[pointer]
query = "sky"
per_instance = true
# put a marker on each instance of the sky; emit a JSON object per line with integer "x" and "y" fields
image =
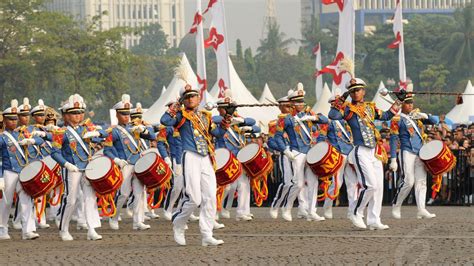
{"x": 245, "y": 20}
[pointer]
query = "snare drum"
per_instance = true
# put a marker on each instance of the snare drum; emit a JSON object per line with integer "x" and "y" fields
{"x": 55, "y": 168}
{"x": 37, "y": 179}
{"x": 437, "y": 157}
{"x": 104, "y": 175}
{"x": 228, "y": 167}
{"x": 255, "y": 160}
{"x": 152, "y": 170}
{"x": 324, "y": 160}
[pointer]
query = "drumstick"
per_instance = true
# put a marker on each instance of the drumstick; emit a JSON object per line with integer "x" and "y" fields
{"x": 85, "y": 169}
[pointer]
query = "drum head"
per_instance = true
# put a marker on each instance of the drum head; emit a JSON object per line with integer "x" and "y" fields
{"x": 248, "y": 152}
{"x": 222, "y": 157}
{"x": 50, "y": 162}
{"x": 155, "y": 150}
{"x": 145, "y": 162}
{"x": 98, "y": 167}
{"x": 98, "y": 153}
{"x": 317, "y": 152}
{"x": 431, "y": 149}
{"x": 30, "y": 171}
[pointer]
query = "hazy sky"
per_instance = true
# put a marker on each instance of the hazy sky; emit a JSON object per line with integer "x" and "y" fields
{"x": 245, "y": 20}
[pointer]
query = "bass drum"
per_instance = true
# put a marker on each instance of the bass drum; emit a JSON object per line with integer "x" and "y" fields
{"x": 37, "y": 179}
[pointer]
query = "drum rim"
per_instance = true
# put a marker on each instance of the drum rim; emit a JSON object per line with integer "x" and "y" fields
{"x": 324, "y": 155}
{"x": 43, "y": 165}
{"x": 106, "y": 173}
{"x": 141, "y": 158}
{"x": 254, "y": 156}
{"x": 422, "y": 154}
{"x": 229, "y": 157}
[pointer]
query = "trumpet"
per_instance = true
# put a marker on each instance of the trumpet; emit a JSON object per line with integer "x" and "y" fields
{"x": 385, "y": 91}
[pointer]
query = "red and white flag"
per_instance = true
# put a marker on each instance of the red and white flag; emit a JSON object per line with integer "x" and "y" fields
{"x": 200, "y": 52}
{"x": 345, "y": 42}
{"x": 399, "y": 43}
{"x": 319, "y": 79}
{"x": 217, "y": 40}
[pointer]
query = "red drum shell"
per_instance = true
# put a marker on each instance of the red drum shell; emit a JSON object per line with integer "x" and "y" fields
{"x": 56, "y": 169}
{"x": 230, "y": 171}
{"x": 104, "y": 183}
{"x": 329, "y": 164}
{"x": 255, "y": 160}
{"x": 437, "y": 157}
{"x": 157, "y": 172}
{"x": 37, "y": 179}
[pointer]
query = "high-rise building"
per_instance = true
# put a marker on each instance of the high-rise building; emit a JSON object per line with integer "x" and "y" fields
{"x": 372, "y": 12}
{"x": 131, "y": 13}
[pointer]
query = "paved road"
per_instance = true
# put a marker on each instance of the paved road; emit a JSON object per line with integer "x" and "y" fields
{"x": 448, "y": 238}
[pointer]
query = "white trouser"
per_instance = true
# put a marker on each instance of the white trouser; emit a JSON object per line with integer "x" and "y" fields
{"x": 414, "y": 173}
{"x": 369, "y": 171}
{"x": 177, "y": 189}
{"x": 229, "y": 193}
{"x": 79, "y": 212}
{"x": 297, "y": 182}
{"x": 131, "y": 184}
{"x": 73, "y": 182}
{"x": 243, "y": 195}
{"x": 345, "y": 174}
{"x": 199, "y": 190}
{"x": 286, "y": 173}
{"x": 25, "y": 202}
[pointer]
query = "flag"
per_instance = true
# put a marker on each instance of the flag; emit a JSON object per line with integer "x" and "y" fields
{"x": 319, "y": 79}
{"x": 334, "y": 70}
{"x": 200, "y": 53}
{"x": 399, "y": 43}
{"x": 340, "y": 3}
{"x": 217, "y": 40}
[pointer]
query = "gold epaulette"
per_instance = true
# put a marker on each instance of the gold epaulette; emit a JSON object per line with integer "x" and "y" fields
{"x": 282, "y": 115}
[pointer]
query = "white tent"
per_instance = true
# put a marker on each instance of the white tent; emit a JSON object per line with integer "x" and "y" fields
{"x": 464, "y": 113}
{"x": 267, "y": 96}
{"x": 382, "y": 102}
{"x": 163, "y": 91}
{"x": 322, "y": 105}
{"x": 242, "y": 95}
{"x": 154, "y": 113}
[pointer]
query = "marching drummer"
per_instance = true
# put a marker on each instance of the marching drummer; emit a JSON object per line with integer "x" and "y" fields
{"x": 234, "y": 140}
{"x": 408, "y": 130}
{"x": 124, "y": 147}
{"x": 300, "y": 125}
{"x": 196, "y": 130}
{"x": 340, "y": 137}
{"x": 368, "y": 154}
{"x": 14, "y": 160}
{"x": 283, "y": 161}
{"x": 72, "y": 150}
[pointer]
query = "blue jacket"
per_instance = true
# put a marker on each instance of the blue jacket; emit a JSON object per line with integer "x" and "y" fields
{"x": 67, "y": 148}
{"x": 169, "y": 139}
{"x": 12, "y": 160}
{"x": 404, "y": 131}
{"x": 119, "y": 145}
{"x": 362, "y": 127}
{"x": 192, "y": 138}
{"x": 298, "y": 138}
{"x": 228, "y": 140}
{"x": 338, "y": 139}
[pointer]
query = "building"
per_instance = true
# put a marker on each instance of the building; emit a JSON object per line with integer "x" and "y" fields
{"x": 373, "y": 12}
{"x": 131, "y": 13}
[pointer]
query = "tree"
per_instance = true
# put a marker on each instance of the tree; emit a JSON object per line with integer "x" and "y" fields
{"x": 433, "y": 78}
{"x": 238, "y": 49}
{"x": 153, "y": 41}
{"x": 274, "y": 43}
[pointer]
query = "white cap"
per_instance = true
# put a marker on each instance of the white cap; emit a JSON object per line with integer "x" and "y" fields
{"x": 40, "y": 108}
{"x": 297, "y": 94}
{"x": 12, "y": 111}
{"x": 25, "y": 107}
{"x": 124, "y": 105}
{"x": 355, "y": 83}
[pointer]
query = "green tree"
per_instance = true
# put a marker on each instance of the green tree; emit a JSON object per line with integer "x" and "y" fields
{"x": 153, "y": 41}
{"x": 433, "y": 79}
{"x": 238, "y": 49}
{"x": 274, "y": 43}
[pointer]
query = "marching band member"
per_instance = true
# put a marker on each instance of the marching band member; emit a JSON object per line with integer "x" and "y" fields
{"x": 13, "y": 161}
{"x": 169, "y": 137}
{"x": 340, "y": 137}
{"x": 367, "y": 155}
{"x": 233, "y": 140}
{"x": 72, "y": 150}
{"x": 299, "y": 127}
{"x": 196, "y": 130}
{"x": 124, "y": 147}
{"x": 408, "y": 130}
{"x": 284, "y": 162}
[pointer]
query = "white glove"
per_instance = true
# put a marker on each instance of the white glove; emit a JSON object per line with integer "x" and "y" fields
{"x": 178, "y": 170}
{"x": 26, "y": 141}
{"x": 289, "y": 154}
{"x": 121, "y": 163}
{"x": 246, "y": 128}
{"x": 71, "y": 167}
{"x": 419, "y": 116}
{"x": 51, "y": 127}
{"x": 140, "y": 129}
{"x": 98, "y": 127}
{"x": 168, "y": 162}
{"x": 237, "y": 120}
{"x": 91, "y": 134}
{"x": 38, "y": 133}
{"x": 393, "y": 166}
